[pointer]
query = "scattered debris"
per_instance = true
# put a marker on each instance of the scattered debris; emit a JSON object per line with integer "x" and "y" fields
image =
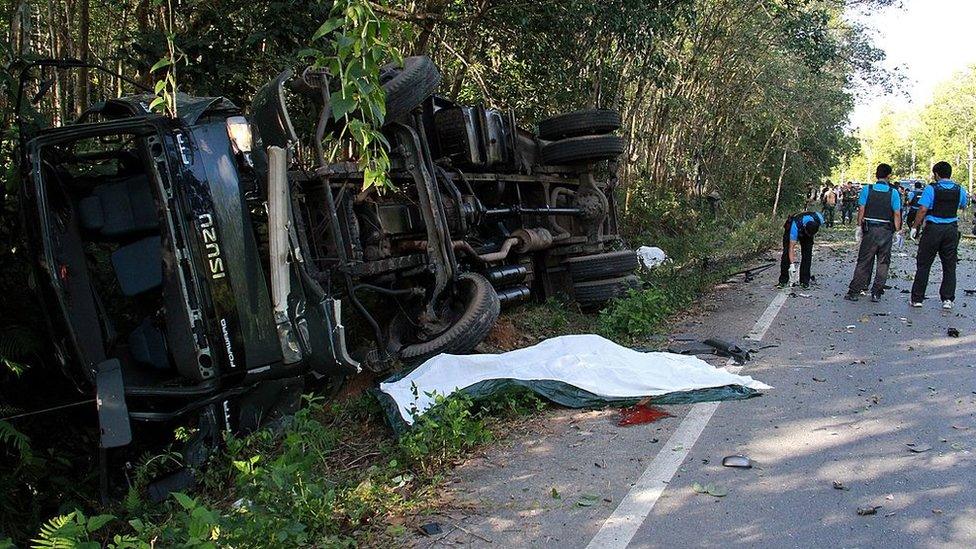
{"x": 850, "y": 327}
{"x": 712, "y": 346}
{"x": 952, "y": 332}
{"x": 554, "y": 494}
{"x": 641, "y": 414}
{"x": 918, "y": 448}
{"x": 431, "y": 529}
{"x": 651, "y": 256}
{"x": 864, "y": 511}
{"x": 819, "y": 379}
{"x": 588, "y": 500}
{"x": 840, "y": 485}
{"x": 714, "y": 490}
{"x": 737, "y": 461}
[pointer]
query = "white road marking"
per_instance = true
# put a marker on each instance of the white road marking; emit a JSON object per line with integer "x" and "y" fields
{"x": 619, "y": 529}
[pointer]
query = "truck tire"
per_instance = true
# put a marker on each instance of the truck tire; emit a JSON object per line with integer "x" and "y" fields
{"x": 597, "y": 292}
{"x": 406, "y": 88}
{"x": 481, "y": 311}
{"x": 600, "y": 266}
{"x": 578, "y": 150}
{"x": 579, "y": 123}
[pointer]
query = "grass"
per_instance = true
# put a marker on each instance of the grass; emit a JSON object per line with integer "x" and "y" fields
{"x": 334, "y": 477}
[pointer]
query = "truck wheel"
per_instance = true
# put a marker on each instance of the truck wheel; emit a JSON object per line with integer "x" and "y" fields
{"x": 576, "y": 124}
{"x": 408, "y": 87}
{"x": 599, "y": 266}
{"x": 597, "y": 292}
{"x": 577, "y": 150}
{"x": 480, "y": 311}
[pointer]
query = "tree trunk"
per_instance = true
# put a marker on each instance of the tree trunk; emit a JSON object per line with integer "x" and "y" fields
{"x": 779, "y": 184}
{"x": 81, "y": 87}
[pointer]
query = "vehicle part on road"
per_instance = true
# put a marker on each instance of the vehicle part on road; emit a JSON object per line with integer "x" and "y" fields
{"x": 712, "y": 346}
{"x": 865, "y": 511}
{"x": 601, "y": 266}
{"x": 431, "y": 529}
{"x": 407, "y": 87}
{"x": 918, "y": 448}
{"x": 597, "y": 292}
{"x": 576, "y": 371}
{"x": 840, "y": 485}
{"x": 726, "y": 349}
{"x": 737, "y": 461}
{"x": 715, "y": 490}
{"x": 750, "y": 274}
{"x": 586, "y": 149}
{"x": 952, "y": 332}
{"x": 580, "y": 123}
{"x": 640, "y": 414}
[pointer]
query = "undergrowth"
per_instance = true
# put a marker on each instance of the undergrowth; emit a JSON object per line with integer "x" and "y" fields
{"x": 333, "y": 477}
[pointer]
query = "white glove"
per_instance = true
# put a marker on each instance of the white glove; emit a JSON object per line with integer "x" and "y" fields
{"x": 794, "y": 274}
{"x": 899, "y": 240}
{"x": 914, "y": 234}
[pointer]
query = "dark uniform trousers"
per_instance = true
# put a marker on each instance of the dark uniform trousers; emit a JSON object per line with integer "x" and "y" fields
{"x": 940, "y": 239}
{"x": 875, "y": 248}
{"x": 806, "y": 255}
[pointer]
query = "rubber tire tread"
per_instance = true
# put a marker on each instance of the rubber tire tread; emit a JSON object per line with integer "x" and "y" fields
{"x": 579, "y": 123}
{"x": 599, "y": 266}
{"x": 471, "y": 329}
{"x": 598, "y": 292}
{"x": 589, "y": 148}
{"x": 409, "y": 88}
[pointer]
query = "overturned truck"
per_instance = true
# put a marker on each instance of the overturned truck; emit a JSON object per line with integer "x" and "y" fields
{"x": 208, "y": 266}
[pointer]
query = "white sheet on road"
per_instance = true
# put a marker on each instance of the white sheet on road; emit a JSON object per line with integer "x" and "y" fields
{"x": 588, "y": 362}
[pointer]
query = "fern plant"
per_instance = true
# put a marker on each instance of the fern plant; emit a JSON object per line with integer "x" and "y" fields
{"x": 74, "y": 530}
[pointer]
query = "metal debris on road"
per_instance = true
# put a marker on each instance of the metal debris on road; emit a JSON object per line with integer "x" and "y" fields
{"x": 952, "y": 332}
{"x": 864, "y": 511}
{"x": 840, "y": 485}
{"x": 714, "y": 490}
{"x": 431, "y": 529}
{"x": 918, "y": 448}
{"x": 737, "y": 461}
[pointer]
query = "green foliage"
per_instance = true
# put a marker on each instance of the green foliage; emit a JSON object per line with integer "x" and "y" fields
{"x": 75, "y": 530}
{"x": 356, "y": 46}
{"x": 942, "y": 129}
{"x": 441, "y": 434}
{"x": 637, "y": 314}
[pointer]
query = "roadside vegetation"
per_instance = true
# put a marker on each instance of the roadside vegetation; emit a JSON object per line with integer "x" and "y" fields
{"x": 913, "y": 140}
{"x": 742, "y": 102}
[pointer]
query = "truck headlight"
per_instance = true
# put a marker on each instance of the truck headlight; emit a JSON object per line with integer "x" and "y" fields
{"x": 239, "y": 132}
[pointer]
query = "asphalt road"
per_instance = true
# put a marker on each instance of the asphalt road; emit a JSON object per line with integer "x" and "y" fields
{"x": 873, "y": 406}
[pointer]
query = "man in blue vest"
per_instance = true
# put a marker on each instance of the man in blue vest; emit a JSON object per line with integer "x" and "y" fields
{"x": 938, "y": 208}
{"x": 878, "y": 219}
{"x": 799, "y": 229}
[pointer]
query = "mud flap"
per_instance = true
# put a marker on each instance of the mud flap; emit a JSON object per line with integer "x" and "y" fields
{"x": 113, "y": 414}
